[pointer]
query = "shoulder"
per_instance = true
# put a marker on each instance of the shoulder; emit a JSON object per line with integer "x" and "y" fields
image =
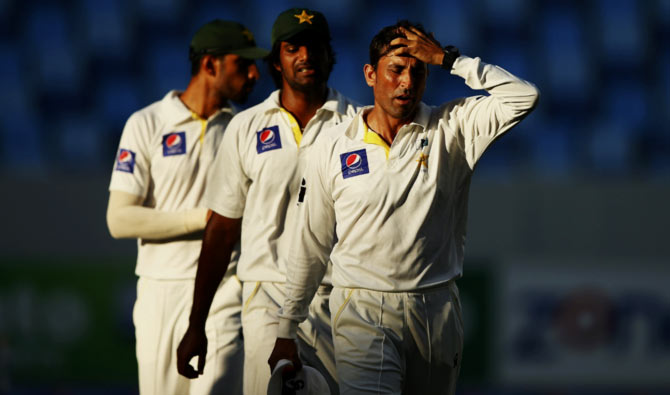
{"x": 345, "y": 105}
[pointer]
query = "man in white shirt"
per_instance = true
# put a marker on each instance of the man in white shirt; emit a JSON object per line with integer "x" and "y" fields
{"x": 386, "y": 202}
{"x": 254, "y": 195}
{"x": 156, "y": 192}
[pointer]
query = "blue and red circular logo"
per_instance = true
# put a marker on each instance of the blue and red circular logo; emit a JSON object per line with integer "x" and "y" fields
{"x": 267, "y": 136}
{"x": 173, "y": 140}
{"x": 125, "y": 156}
{"x": 354, "y": 161}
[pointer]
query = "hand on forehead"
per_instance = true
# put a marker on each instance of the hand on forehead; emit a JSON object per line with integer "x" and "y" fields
{"x": 417, "y": 45}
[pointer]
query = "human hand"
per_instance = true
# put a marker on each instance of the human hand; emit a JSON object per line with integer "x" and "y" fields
{"x": 194, "y": 343}
{"x": 285, "y": 349}
{"x": 417, "y": 44}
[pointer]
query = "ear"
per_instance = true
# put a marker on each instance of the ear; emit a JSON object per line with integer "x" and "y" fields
{"x": 370, "y": 75}
{"x": 207, "y": 65}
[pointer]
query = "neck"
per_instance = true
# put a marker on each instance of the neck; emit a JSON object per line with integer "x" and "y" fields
{"x": 302, "y": 104}
{"x": 385, "y": 125}
{"x": 201, "y": 99}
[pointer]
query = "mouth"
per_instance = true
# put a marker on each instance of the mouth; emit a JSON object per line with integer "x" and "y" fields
{"x": 404, "y": 99}
{"x": 306, "y": 69}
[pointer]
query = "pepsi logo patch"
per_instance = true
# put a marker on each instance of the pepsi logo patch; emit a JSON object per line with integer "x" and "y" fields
{"x": 174, "y": 143}
{"x": 125, "y": 161}
{"x": 268, "y": 139}
{"x": 354, "y": 163}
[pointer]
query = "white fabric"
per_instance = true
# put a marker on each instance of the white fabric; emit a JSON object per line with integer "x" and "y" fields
{"x": 259, "y": 323}
{"x": 308, "y": 381}
{"x": 262, "y": 185}
{"x": 127, "y": 218}
{"x": 397, "y": 342}
{"x": 161, "y": 319}
{"x": 398, "y": 224}
{"x": 168, "y": 183}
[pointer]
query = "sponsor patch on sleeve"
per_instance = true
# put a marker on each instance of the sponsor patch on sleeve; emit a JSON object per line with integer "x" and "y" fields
{"x": 174, "y": 143}
{"x": 354, "y": 163}
{"x": 125, "y": 160}
{"x": 268, "y": 139}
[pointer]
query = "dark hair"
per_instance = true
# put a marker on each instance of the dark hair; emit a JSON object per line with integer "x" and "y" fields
{"x": 380, "y": 44}
{"x": 196, "y": 58}
{"x": 273, "y": 58}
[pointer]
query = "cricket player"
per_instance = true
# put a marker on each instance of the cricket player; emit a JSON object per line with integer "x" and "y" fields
{"x": 156, "y": 192}
{"x": 386, "y": 201}
{"x": 254, "y": 194}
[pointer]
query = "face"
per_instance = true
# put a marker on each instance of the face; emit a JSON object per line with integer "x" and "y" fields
{"x": 398, "y": 84}
{"x": 303, "y": 64}
{"x": 235, "y": 77}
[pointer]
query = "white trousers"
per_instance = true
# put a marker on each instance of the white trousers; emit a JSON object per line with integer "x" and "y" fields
{"x": 397, "y": 342}
{"x": 161, "y": 319}
{"x": 262, "y": 301}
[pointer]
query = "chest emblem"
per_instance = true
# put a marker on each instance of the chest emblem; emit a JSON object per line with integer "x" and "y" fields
{"x": 268, "y": 139}
{"x": 174, "y": 144}
{"x": 354, "y": 163}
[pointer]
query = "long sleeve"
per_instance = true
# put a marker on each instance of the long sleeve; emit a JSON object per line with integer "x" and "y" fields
{"x": 127, "y": 218}
{"x": 312, "y": 243}
{"x": 478, "y": 120}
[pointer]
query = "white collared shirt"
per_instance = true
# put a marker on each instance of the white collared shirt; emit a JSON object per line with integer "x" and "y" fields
{"x": 165, "y": 154}
{"x": 257, "y": 177}
{"x": 394, "y": 218}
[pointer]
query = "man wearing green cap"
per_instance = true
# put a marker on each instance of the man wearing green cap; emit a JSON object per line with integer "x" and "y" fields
{"x": 255, "y": 192}
{"x": 158, "y": 183}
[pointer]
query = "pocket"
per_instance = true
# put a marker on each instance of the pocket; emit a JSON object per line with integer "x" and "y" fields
{"x": 342, "y": 307}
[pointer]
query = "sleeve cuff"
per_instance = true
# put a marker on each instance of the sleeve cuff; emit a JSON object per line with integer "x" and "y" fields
{"x": 288, "y": 329}
{"x": 195, "y": 219}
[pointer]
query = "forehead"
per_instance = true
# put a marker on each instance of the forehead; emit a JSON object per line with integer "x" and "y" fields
{"x": 400, "y": 60}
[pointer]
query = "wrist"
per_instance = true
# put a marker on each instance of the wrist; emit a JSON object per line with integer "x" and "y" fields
{"x": 451, "y": 53}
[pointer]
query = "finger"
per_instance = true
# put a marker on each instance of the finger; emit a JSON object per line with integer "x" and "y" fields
{"x": 201, "y": 361}
{"x": 186, "y": 370}
{"x": 399, "y": 51}
{"x": 399, "y": 41}
{"x": 408, "y": 33}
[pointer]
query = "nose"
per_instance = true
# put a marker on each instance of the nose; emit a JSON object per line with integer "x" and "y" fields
{"x": 304, "y": 53}
{"x": 253, "y": 72}
{"x": 407, "y": 79}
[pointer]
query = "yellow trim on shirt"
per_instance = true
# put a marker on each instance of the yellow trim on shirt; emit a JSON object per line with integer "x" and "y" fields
{"x": 253, "y": 293}
{"x": 373, "y": 138}
{"x": 203, "y": 126}
{"x": 297, "y": 133}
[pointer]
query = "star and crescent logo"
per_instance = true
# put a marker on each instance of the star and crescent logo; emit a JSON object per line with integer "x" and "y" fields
{"x": 248, "y": 35}
{"x": 304, "y": 17}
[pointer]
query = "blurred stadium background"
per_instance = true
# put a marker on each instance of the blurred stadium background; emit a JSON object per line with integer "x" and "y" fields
{"x": 565, "y": 286}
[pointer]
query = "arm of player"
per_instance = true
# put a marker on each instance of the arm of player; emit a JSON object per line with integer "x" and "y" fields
{"x": 127, "y": 218}
{"x": 481, "y": 119}
{"x": 308, "y": 259}
{"x": 221, "y": 236}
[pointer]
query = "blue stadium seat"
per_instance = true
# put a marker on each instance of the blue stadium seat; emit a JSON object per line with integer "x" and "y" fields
{"x": 166, "y": 67}
{"x": 117, "y": 98}
{"x": 80, "y": 142}
{"x": 163, "y": 11}
{"x": 107, "y": 28}
{"x": 505, "y": 14}
{"x": 552, "y": 143}
{"x": 565, "y": 57}
{"x": 626, "y": 103}
{"x": 450, "y": 21}
{"x": 48, "y": 39}
{"x": 621, "y": 32}
{"x": 611, "y": 147}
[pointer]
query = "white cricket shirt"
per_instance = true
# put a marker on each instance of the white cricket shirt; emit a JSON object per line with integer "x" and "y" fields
{"x": 257, "y": 177}
{"x": 165, "y": 155}
{"x": 394, "y": 218}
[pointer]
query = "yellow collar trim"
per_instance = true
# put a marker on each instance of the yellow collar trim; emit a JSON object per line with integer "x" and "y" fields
{"x": 297, "y": 133}
{"x": 373, "y": 138}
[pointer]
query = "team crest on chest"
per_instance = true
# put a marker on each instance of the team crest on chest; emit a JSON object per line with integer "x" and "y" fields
{"x": 125, "y": 161}
{"x": 354, "y": 163}
{"x": 174, "y": 143}
{"x": 268, "y": 139}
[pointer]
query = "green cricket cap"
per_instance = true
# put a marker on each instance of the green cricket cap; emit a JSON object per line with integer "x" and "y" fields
{"x": 298, "y": 20}
{"x": 220, "y": 37}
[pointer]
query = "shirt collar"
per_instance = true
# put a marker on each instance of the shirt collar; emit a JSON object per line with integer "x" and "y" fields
{"x": 177, "y": 112}
{"x": 334, "y": 102}
{"x": 357, "y": 128}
